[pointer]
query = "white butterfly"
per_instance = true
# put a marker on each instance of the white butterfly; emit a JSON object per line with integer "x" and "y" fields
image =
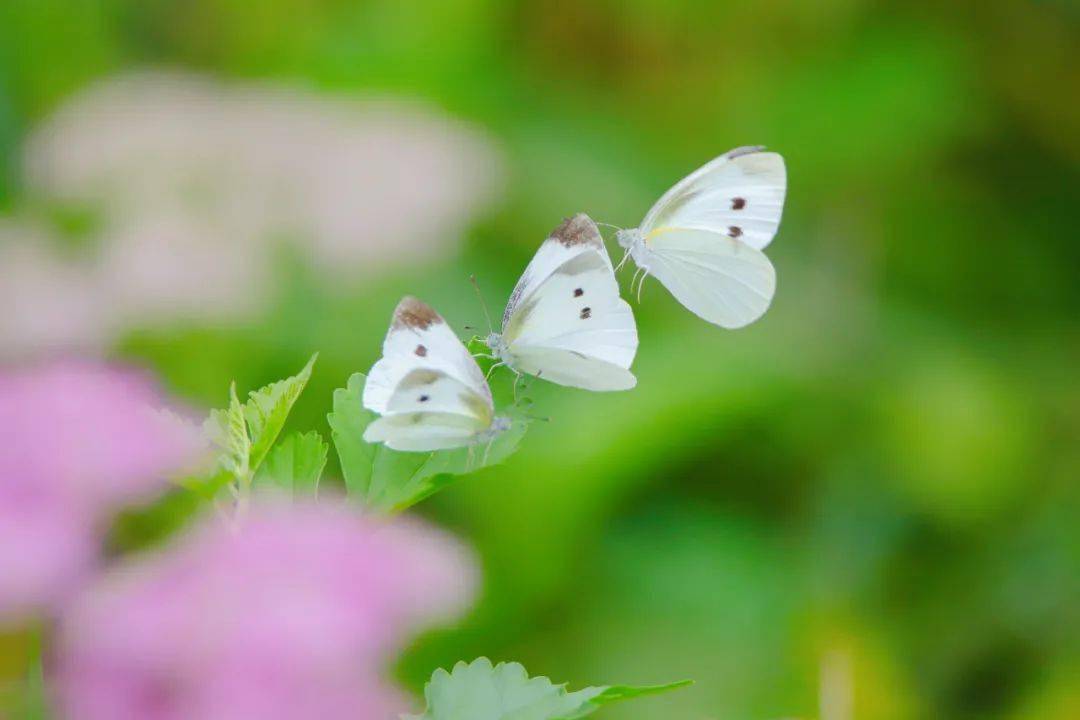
{"x": 703, "y": 239}
{"x": 427, "y": 388}
{"x": 565, "y": 321}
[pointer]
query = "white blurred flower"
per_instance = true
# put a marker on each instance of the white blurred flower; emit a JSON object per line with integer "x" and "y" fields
{"x": 51, "y": 303}
{"x": 197, "y": 183}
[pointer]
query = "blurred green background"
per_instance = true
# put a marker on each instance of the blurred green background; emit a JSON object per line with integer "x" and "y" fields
{"x": 863, "y": 506}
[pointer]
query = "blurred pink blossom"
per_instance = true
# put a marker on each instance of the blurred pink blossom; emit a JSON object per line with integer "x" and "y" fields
{"x": 197, "y": 184}
{"x": 80, "y": 441}
{"x": 293, "y": 616}
{"x": 50, "y": 302}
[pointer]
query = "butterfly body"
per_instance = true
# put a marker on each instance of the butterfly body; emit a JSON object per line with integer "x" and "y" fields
{"x": 631, "y": 240}
{"x": 499, "y": 348}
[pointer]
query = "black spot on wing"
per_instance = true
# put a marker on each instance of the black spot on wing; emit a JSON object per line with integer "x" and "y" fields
{"x": 734, "y": 231}
{"x": 738, "y": 203}
{"x": 586, "y": 313}
{"x": 421, "y": 351}
{"x": 578, "y": 292}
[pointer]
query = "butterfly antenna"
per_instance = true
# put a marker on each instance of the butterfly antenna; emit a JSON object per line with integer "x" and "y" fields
{"x": 483, "y": 305}
{"x": 616, "y": 228}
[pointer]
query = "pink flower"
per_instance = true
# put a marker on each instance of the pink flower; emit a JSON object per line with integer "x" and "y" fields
{"x": 80, "y": 440}
{"x": 198, "y": 183}
{"x": 292, "y": 616}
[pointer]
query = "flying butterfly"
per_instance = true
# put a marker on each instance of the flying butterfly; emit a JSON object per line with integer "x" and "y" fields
{"x": 427, "y": 388}
{"x": 565, "y": 321}
{"x": 703, "y": 238}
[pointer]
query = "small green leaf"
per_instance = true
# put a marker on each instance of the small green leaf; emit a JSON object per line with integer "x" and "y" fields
{"x": 616, "y": 693}
{"x": 138, "y": 528}
{"x": 480, "y": 691}
{"x": 206, "y": 487}
{"x": 267, "y": 409}
{"x": 480, "y": 350}
{"x": 23, "y": 693}
{"x": 347, "y": 423}
{"x": 390, "y": 481}
{"x": 295, "y": 464}
{"x": 439, "y": 469}
{"x": 226, "y": 429}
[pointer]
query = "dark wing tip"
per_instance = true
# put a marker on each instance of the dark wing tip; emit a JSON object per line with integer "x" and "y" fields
{"x": 577, "y": 230}
{"x": 416, "y": 314}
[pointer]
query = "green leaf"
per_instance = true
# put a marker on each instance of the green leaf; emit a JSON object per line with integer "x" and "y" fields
{"x": 267, "y": 409}
{"x": 227, "y": 430}
{"x": 480, "y": 350}
{"x": 295, "y": 464}
{"x": 22, "y": 688}
{"x": 480, "y": 691}
{"x": 206, "y": 487}
{"x": 347, "y": 421}
{"x": 390, "y": 481}
{"x": 442, "y": 468}
{"x": 138, "y": 528}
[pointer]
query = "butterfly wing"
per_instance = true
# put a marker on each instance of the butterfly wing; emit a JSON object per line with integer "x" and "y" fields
{"x": 430, "y": 410}
{"x": 718, "y": 278}
{"x": 419, "y": 339}
{"x": 565, "y": 321}
{"x": 739, "y": 194}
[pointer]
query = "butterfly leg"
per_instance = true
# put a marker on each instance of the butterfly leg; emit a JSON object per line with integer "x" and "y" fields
{"x": 492, "y": 369}
{"x": 537, "y": 376}
{"x": 633, "y": 280}
{"x": 641, "y": 284}
{"x": 625, "y": 257}
{"x": 517, "y": 378}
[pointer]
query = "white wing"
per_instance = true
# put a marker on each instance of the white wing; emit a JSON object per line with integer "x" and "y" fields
{"x": 430, "y": 410}
{"x": 739, "y": 194}
{"x": 716, "y": 277}
{"x": 420, "y": 339}
{"x": 565, "y": 320}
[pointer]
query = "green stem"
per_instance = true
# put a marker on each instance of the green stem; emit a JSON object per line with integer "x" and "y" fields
{"x": 243, "y": 498}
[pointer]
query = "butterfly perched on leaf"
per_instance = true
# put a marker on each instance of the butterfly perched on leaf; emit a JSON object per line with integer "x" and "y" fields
{"x": 427, "y": 389}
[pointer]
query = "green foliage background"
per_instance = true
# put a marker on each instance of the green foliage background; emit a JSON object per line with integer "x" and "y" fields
{"x": 877, "y": 482}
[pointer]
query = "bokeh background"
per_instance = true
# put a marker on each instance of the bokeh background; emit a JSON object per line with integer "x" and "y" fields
{"x": 863, "y": 506}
